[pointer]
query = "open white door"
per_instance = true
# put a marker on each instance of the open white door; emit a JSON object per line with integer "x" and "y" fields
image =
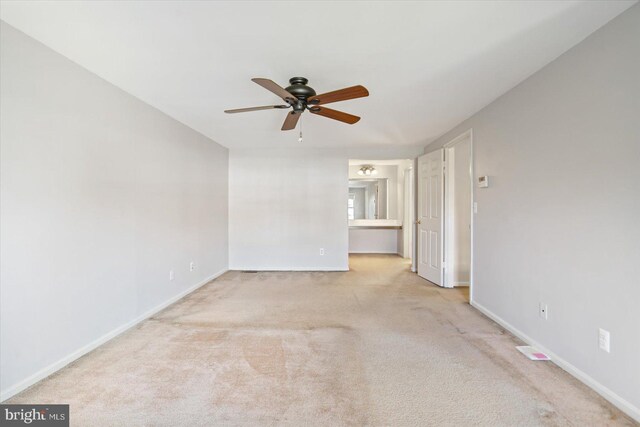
{"x": 430, "y": 216}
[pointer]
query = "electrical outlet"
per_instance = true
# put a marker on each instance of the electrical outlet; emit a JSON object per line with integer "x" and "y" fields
{"x": 192, "y": 266}
{"x": 604, "y": 340}
{"x": 475, "y": 207}
{"x": 543, "y": 311}
{"x": 171, "y": 275}
{"x": 321, "y": 251}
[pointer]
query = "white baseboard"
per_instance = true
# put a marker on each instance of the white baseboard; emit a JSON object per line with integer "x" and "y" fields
{"x": 309, "y": 269}
{"x": 460, "y": 284}
{"x": 619, "y": 402}
{"x": 54, "y": 367}
{"x": 375, "y": 252}
{"x": 336, "y": 267}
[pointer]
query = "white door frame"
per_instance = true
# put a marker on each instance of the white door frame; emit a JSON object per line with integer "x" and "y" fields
{"x": 408, "y": 212}
{"x": 448, "y": 201}
{"x": 414, "y": 225}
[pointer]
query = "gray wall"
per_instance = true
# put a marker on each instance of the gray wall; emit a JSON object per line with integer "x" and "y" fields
{"x": 374, "y": 241}
{"x": 101, "y": 196}
{"x": 560, "y": 222}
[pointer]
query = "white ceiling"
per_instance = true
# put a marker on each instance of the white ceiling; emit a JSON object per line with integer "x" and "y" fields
{"x": 427, "y": 65}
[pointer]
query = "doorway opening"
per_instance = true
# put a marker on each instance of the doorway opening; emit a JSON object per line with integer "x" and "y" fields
{"x": 458, "y": 211}
{"x": 380, "y": 207}
{"x": 445, "y": 214}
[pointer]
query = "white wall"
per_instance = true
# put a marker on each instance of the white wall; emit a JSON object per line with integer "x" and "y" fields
{"x": 560, "y": 222}
{"x": 101, "y": 196}
{"x": 286, "y": 204}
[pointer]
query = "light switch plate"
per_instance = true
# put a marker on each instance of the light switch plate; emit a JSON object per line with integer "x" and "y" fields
{"x": 604, "y": 340}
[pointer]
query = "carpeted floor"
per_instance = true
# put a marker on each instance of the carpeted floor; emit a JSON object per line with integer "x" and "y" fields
{"x": 373, "y": 346}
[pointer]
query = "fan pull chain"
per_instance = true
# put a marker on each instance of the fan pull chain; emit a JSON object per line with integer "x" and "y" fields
{"x": 300, "y": 137}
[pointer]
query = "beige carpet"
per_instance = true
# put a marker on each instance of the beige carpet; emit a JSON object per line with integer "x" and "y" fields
{"x": 374, "y": 346}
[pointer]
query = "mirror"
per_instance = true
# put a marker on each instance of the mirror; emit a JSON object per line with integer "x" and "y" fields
{"x": 368, "y": 198}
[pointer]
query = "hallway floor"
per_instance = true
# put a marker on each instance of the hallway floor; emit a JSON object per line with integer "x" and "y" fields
{"x": 373, "y": 346}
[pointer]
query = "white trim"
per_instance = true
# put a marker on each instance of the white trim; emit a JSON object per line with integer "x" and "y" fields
{"x": 414, "y": 226}
{"x": 284, "y": 269}
{"x": 460, "y": 284}
{"x": 376, "y": 252}
{"x": 457, "y": 139}
{"x": 448, "y": 276}
{"x": 407, "y": 213}
{"x": 622, "y": 404}
{"x": 56, "y": 366}
{"x": 449, "y": 213}
{"x": 473, "y": 214}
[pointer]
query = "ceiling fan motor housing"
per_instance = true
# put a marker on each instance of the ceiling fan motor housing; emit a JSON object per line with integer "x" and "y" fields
{"x": 299, "y": 88}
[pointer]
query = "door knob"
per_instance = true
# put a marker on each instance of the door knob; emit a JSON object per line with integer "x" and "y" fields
{"x": 418, "y": 221}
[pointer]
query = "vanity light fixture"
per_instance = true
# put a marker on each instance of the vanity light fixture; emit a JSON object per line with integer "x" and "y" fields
{"x": 367, "y": 170}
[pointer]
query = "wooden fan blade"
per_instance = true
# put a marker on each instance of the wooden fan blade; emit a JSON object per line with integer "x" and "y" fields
{"x": 339, "y": 95}
{"x": 244, "y": 110}
{"x": 275, "y": 88}
{"x": 291, "y": 121}
{"x": 335, "y": 115}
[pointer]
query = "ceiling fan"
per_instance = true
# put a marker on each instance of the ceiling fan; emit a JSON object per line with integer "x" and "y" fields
{"x": 301, "y": 97}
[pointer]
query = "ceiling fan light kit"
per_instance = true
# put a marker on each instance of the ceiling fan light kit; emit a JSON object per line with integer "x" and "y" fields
{"x": 300, "y": 98}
